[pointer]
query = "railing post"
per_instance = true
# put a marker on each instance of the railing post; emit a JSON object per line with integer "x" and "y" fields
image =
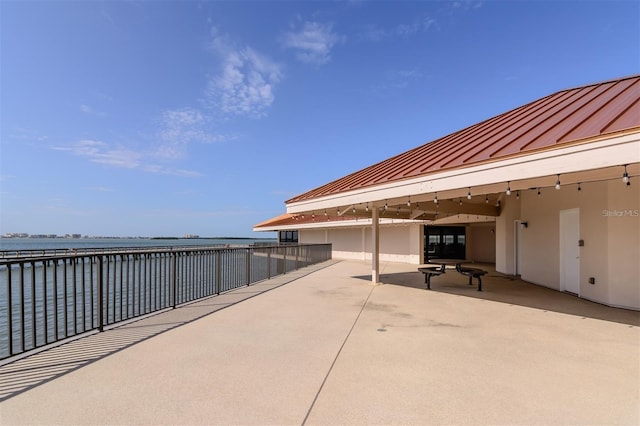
{"x": 268, "y": 263}
{"x": 248, "y": 265}
{"x": 217, "y": 283}
{"x": 284, "y": 260}
{"x": 9, "y": 310}
{"x": 174, "y": 275}
{"x": 100, "y": 294}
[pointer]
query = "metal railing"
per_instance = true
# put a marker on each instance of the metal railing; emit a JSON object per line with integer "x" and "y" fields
{"x": 50, "y": 298}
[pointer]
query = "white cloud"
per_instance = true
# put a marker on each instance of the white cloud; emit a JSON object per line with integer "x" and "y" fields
{"x": 179, "y": 128}
{"x": 313, "y": 42}
{"x": 100, "y": 152}
{"x": 245, "y": 86}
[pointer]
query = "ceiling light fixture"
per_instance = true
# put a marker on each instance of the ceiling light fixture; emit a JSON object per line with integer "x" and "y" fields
{"x": 558, "y": 182}
{"x": 625, "y": 175}
{"x": 508, "y": 188}
{"x": 469, "y": 194}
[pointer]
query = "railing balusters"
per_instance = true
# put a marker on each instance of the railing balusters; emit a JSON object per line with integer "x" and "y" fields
{"x": 119, "y": 285}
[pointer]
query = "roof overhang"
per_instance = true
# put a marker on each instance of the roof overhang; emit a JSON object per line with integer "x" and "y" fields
{"x": 594, "y": 159}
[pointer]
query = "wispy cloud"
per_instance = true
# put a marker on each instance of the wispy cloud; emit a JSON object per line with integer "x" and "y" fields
{"x": 120, "y": 157}
{"x": 396, "y": 80}
{"x": 404, "y": 30}
{"x": 313, "y": 42}
{"x": 86, "y": 109}
{"x": 466, "y": 4}
{"x": 245, "y": 86}
{"x": 100, "y": 189}
{"x": 102, "y": 153}
{"x": 181, "y": 127}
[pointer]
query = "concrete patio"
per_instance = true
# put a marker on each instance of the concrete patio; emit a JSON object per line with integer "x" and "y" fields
{"x": 323, "y": 346}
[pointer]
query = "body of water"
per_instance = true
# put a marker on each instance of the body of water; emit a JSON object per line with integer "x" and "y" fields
{"x": 14, "y": 244}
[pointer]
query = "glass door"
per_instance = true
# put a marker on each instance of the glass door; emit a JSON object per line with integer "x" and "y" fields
{"x": 445, "y": 242}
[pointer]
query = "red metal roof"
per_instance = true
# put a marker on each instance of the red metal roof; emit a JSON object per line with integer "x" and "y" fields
{"x": 553, "y": 121}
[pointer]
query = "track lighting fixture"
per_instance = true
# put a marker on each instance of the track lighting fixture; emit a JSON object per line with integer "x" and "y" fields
{"x": 558, "y": 182}
{"x": 435, "y": 199}
{"x": 625, "y": 175}
{"x": 469, "y": 194}
{"x": 508, "y": 188}
{"x": 409, "y": 202}
{"x": 486, "y": 199}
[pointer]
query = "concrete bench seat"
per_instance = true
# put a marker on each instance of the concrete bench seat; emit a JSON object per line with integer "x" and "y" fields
{"x": 429, "y": 272}
{"x": 473, "y": 273}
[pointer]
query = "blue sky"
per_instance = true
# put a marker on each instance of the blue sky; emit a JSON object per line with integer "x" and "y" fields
{"x": 140, "y": 118}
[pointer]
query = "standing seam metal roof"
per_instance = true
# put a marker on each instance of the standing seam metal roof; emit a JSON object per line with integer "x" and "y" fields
{"x": 552, "y": 121}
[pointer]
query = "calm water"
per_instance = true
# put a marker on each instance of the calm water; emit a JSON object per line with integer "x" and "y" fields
{"x": 132, "y": 286}
{"x": 77, "y": 243}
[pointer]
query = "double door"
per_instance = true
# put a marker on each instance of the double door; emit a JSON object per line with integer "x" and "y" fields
{"x": 444, "y": 242}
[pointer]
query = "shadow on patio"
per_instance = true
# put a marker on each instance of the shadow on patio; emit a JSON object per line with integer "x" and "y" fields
{"x": 511, "y": 290}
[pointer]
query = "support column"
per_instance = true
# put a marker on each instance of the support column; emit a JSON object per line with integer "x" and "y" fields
{"x": 375, "y": 249}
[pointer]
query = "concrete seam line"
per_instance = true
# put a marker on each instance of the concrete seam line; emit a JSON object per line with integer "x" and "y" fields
{"x": 335, "y": 359}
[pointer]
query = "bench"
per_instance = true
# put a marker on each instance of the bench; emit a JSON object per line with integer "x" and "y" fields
{"x": 473, "y": 273}
{"x": 430, "y": 272}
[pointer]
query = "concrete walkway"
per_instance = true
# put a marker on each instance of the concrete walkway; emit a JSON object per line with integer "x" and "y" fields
{"x": 330, "y": 348}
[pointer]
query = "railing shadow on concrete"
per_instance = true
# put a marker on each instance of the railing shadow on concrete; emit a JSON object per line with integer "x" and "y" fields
{"x": 511, "y": 290}
{"x": 21, "y": 374}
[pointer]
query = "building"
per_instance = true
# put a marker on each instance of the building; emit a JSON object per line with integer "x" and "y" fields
{"x": 548, "y": 191}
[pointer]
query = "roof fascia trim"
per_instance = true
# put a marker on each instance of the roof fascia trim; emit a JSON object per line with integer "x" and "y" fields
{"x": 612, "y": 151}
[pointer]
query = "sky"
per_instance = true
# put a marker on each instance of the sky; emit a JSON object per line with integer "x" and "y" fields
{"x": 166, "y": 118}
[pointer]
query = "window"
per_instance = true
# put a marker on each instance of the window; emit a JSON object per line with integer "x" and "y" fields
{"x": 288, "y": 236}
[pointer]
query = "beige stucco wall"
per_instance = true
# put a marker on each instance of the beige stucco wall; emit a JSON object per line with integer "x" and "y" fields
{"x": 611, "y": 243}
{"x": 623, "y": 244}
{"x": 481, "y": 242}
{"x": 399, "y": 243}
{"x": 505, "y": 238}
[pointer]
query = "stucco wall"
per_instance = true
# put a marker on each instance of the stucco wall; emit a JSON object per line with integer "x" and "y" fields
{"x": 481, "y": 242}
{"x": 611, "y": 243}
{"x": 397, "y": 243}
{"x": 623, "y": 244}
{"x": 505, "y": 238}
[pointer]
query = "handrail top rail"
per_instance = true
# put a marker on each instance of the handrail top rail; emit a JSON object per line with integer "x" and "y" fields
{"x": 26, "y": 256}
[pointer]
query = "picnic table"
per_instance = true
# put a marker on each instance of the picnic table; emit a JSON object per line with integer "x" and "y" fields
{"x": 431, "y": 271}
